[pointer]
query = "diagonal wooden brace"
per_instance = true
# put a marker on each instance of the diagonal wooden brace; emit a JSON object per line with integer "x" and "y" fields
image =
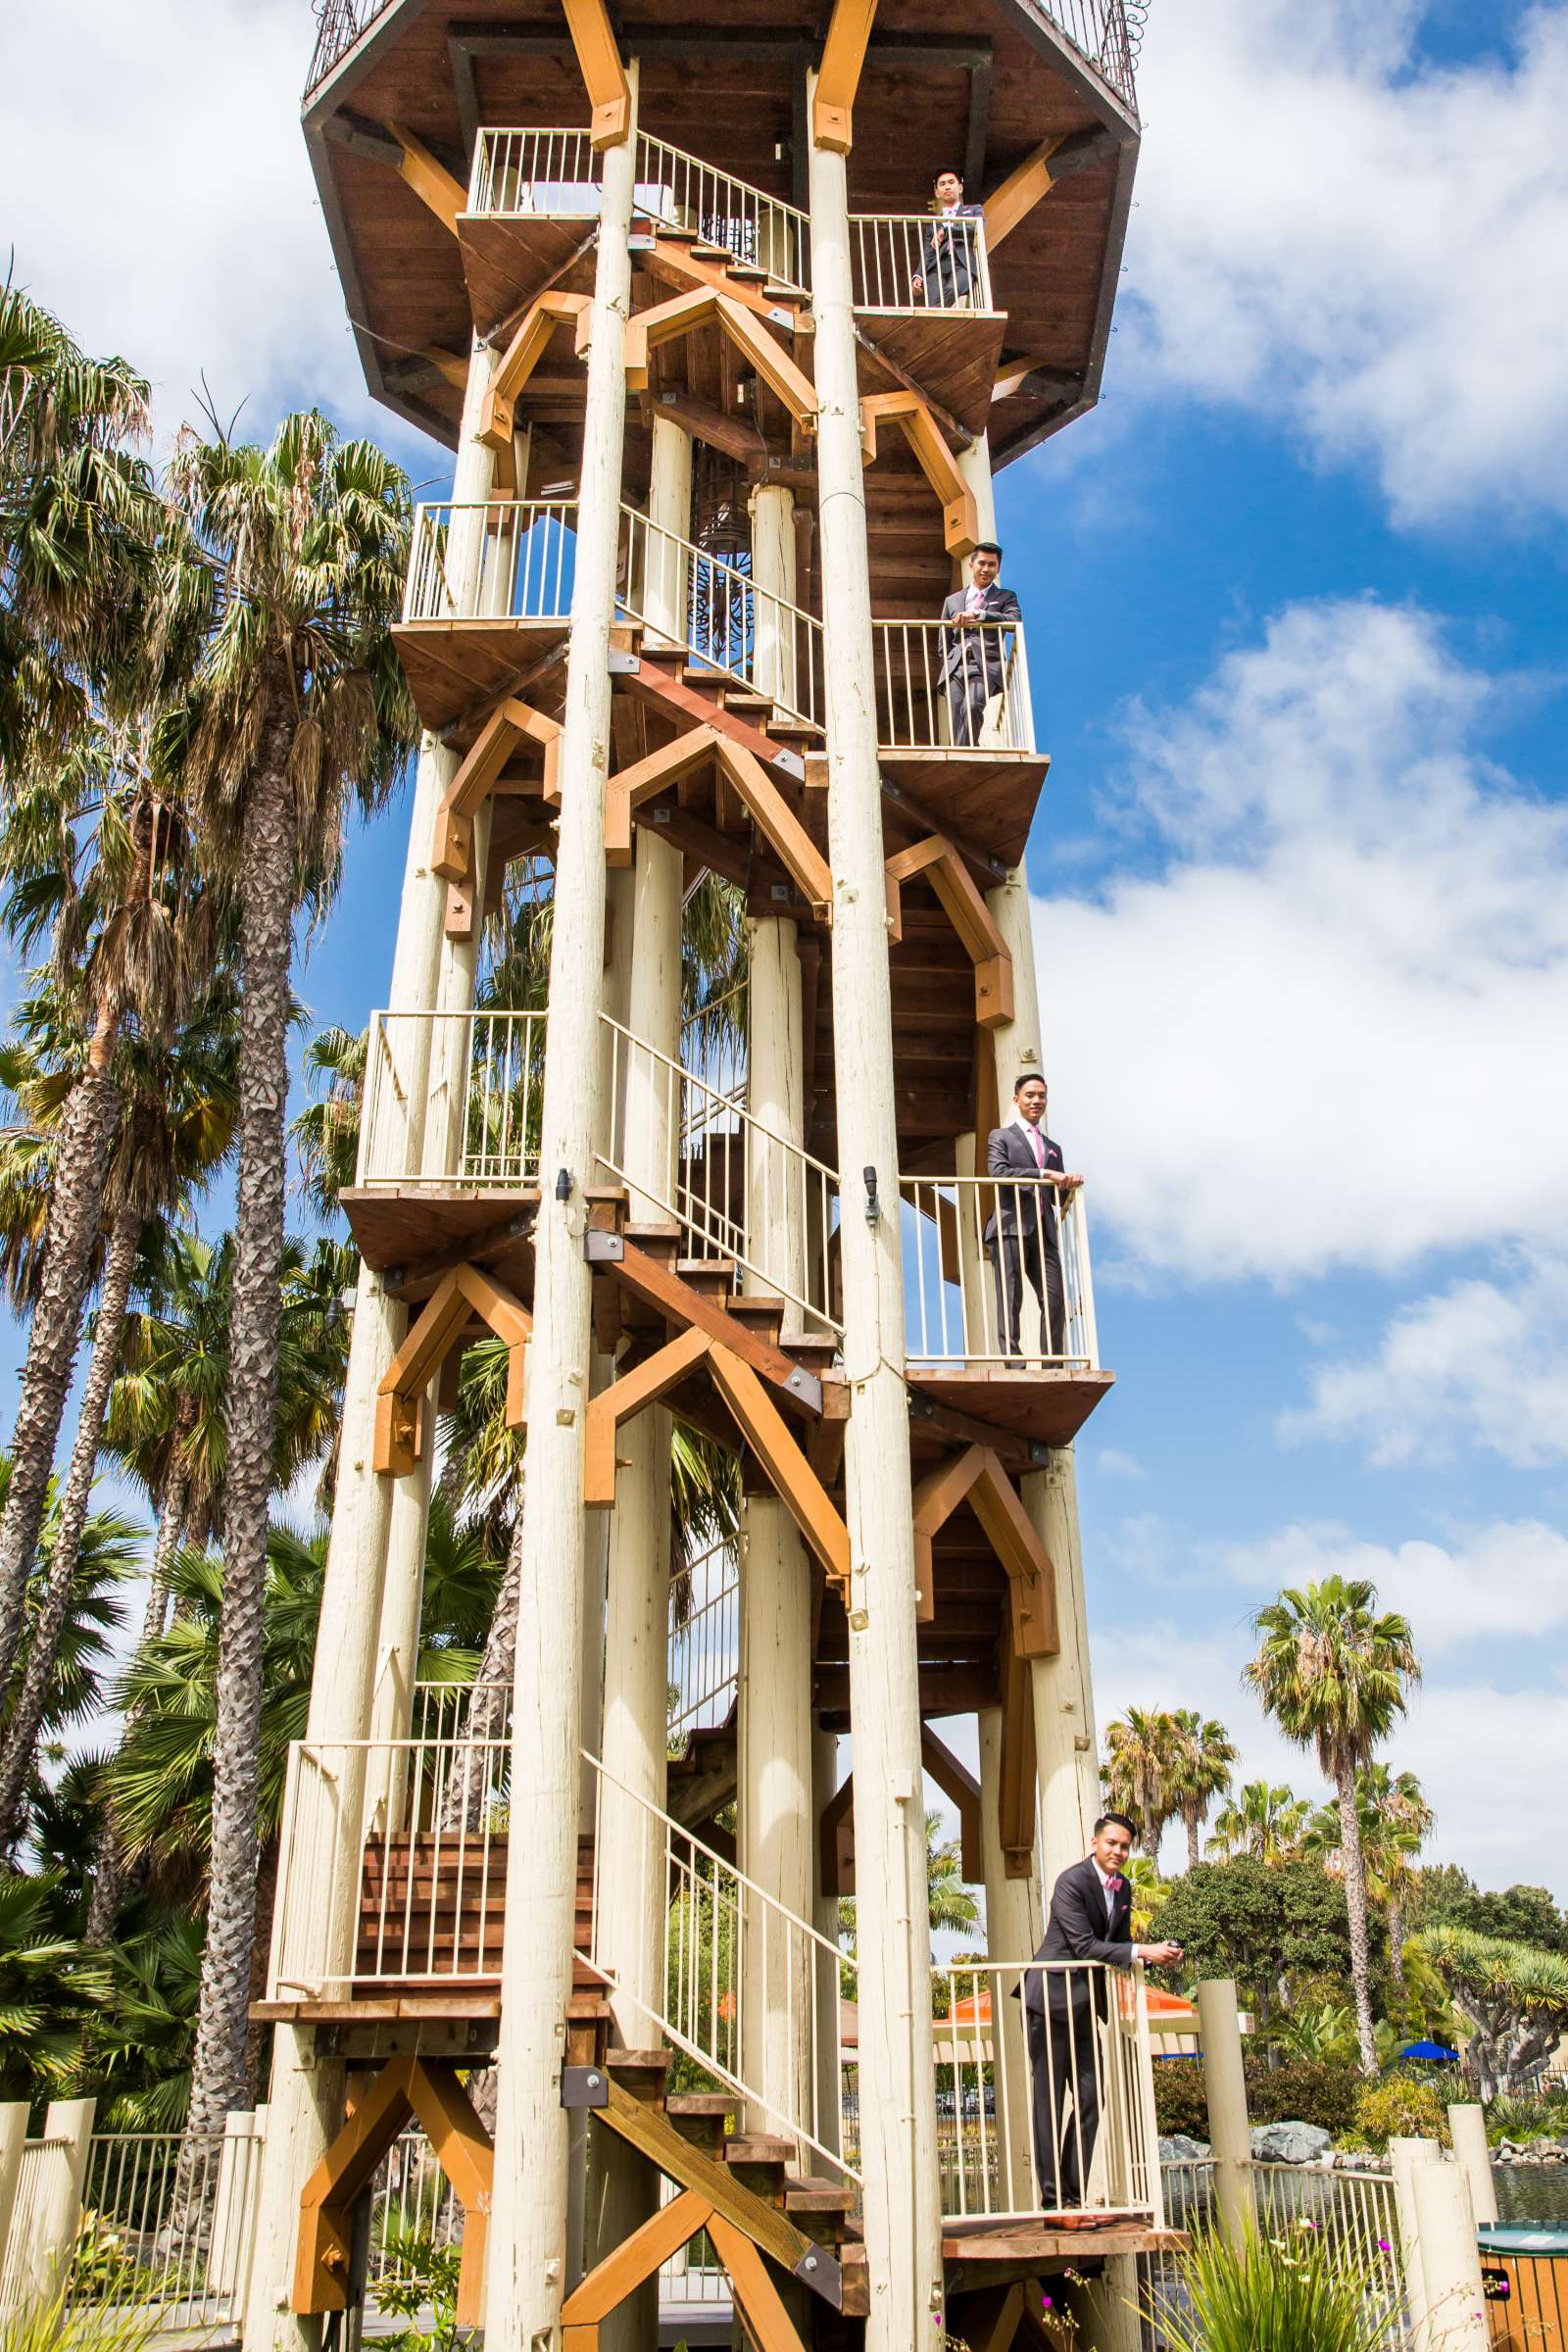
{"x": 961, "y": 517}
{"x": 938, "y": 860}
{"x": 400, "y": 1432}
{"x": 684, "y": 314}
{"x": 508, "y": 724}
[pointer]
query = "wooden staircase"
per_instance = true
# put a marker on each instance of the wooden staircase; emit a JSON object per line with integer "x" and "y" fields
{"x": 801, "y": 2221}
{"x": 432, "y": 1910}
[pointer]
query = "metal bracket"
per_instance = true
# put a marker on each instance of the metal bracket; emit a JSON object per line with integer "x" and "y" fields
{"x": 807, "y": 1387}
{"x": 602, "y": 1249}
{"x": 790, "y": 763}
{"x": 584, "y": 2087}
{"x": 624, "y": 664}
{"x": 818, "y": 2270}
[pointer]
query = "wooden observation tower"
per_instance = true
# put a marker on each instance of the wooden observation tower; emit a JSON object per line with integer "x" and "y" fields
{"x": 725, "y": 410}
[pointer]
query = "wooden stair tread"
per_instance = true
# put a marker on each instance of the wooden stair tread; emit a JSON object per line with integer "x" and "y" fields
{"x": 637, "y": 2062}
{"x": 805, "y": 2192}
{"x": 748, "y": 2148}
{"x": 701, "y": 2102}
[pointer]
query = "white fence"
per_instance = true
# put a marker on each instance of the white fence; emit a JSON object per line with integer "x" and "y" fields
{"x": 918, "y": 260}
{"x": 506, "y": 558}
{"x": 946, "y": 686}
{"x": 703, "y": 1659}
{"x": 992, "y": 1277}
{"x": 165, "y": 2240}
{"x": 1061, "y": 2111}
{"x": 455, "y": 1096}
{"x": 744, "y": 634}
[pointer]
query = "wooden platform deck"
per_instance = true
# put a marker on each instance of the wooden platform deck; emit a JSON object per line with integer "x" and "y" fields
{"x": 1047, "y": 1408}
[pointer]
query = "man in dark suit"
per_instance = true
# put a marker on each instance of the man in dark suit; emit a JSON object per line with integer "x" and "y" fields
{"x": 947, "y": 275}
{"x": 1067, "y": 2008}
{"x": 974, "y": 651}
{"x": 1020, "y": 1235}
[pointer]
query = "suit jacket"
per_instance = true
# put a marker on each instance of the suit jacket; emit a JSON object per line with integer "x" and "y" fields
{"x": 981, "y": 652}
{"x": 947, "y": 259}
{"x": 1008, "y": 1153}
{"x": 1078, "y": 1929}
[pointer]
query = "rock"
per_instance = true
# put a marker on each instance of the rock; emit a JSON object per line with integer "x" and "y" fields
{"x": 1289, "y": 2143}
{"x": 1179, "y": 2149}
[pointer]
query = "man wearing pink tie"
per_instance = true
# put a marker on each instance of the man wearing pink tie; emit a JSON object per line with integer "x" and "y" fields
{"x": 1020, "y": 1236}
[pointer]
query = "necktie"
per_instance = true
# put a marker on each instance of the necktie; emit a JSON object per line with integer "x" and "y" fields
{"x": 1038, "y": 1148}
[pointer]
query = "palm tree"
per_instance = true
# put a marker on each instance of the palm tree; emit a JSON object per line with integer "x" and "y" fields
{"x": 174, "y": 1135}
{"x": 326, "y": 1132}
{"x": 96, "y": 865}
{"x": 1268, "y": 1823}
{"x": 1140, "y": 1758}
{"x": 1395, "y": 1819}
{"x": 1334, "y": 1675}
{"x": 300, "y": 710}
{"x": 1201, "y": 1756}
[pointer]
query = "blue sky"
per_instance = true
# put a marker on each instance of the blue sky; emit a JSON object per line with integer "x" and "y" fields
{"x": 1296, "y": 600}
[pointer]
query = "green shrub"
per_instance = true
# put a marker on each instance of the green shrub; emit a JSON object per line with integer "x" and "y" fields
{"x": 1400, "y": 2107}
{"x": 1302, "y": 2090}
{"x": 1294, "y": 2293}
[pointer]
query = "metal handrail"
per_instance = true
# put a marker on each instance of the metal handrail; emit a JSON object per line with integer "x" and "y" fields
{"x": 919, "y": 260}
{"x": 727, "y": 622}
{"x": 492, "y": 559}
{"x": 942, "y": 686}
{"x": 978, "y": 1284}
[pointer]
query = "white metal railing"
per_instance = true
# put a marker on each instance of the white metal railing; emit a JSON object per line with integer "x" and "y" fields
{"x": 703, "y": 1659}
{"x": 985, "y": 1280}
{"x": 425, "y": 1882}
{"x": 1109, "y": 34}
{"x": 171, "y": 2241}
{"x": 739, "y": 1191}
{"x": 694, "y": 2274}
{"x": 952, "y": 686}
{"x": 455, "y": 1097}
{"x": 503, "y": 560}
{"x": 737, "y": 1981}
{"x": 1078, "y": 2083}
{"x": 679, "y": 191}
{"x": 553, "y": 172}
{"x": 714, "y": 1044}
{"x": 918, "y": 260}
{"x": 412, "y": 2204}
{"x": 728, "y": 625}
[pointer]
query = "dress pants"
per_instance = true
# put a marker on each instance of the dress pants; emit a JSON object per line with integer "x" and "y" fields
{"x": 948, "y": 282}
{"x": 1033, "y": 1252}
{"x": 1065, "y": 2079}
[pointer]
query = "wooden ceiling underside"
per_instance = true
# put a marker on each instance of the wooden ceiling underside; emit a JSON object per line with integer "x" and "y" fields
{"x": 726, "y": 83}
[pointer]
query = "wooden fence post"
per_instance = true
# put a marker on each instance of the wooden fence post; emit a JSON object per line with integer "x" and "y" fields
{"x": 1450, "y": 2260}
{"x": 1225, "y": 2089}
{"x": 13, "y": 2140}
{"x": 1468, "y": 2125}
{"x": 57, "y": 2209}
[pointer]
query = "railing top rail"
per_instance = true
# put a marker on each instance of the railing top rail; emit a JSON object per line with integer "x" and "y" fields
{"x": 491, "y": 505}
{"x": 314, "y": 1750}
{"x": 675, "y": 1829}
{"x": 716, "y": 1093}
{"x": 647, "y": 142}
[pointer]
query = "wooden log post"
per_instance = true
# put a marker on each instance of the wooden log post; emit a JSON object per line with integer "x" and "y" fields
{"x": 528, "y": 2226}
{"x": 1450, "y": 2261}
{"x": 1230, "y": 2134}
{"x": 305, "y": 2103}
{"x": 1014, "y": 1929}
{"x": 825, "y": 1918}
{"x": 1467, "y": 2129}
{"x": 667, "y": 585}
{"x": 1406, "y": 2155}
{"x": 1065, "y": 1754}
{"x": 14, "y": 2115}
{"x": 773, "y": 567}
{"x": 774, "y": 1817}
{"x": 57, "y": 2207}
{"x": 898, "y": 2106}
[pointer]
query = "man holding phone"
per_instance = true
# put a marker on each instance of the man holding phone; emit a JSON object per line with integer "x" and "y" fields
{"x": 1065, "y": 2008}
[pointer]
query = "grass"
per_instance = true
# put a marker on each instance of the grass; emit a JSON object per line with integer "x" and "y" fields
{"x": 1294, "y": 2293}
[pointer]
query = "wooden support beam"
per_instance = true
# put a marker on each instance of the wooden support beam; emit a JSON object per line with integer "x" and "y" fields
{"x": 835, "y": 1832}
{"x": 1015, "y": 1782}
{"x": 403, "y": 2087}
{"x": 636, "y": 2258}
{"x": 629, "y": 1396}
{"x": 659, "y": 771}
{"x": 603, "y": 75}
{"x": 1019, "y": 192}
{"x": 682, "y": 1303}
{"x": 650, "y": 2130}
{"x": 961, "y": 1790}
{"x": 465, "y": 1291}
{"x": 977, "y": 1477}
{"x": 939, "y": 861}
{"x": 780, "y": 825}
{"x": 732, "y": 434}
{"x": 793, "y": 1479}
{"x": 429, "y": 179}
{"x": 675, "y": 266}
{"x": 838, "y": 78}
{"x": 668, "y": 320}
{"x": 763, "y": 2314}
{"x": 961, "y": 517}
{"x": 498, "y": 417}
{"x": 508, "y": 724}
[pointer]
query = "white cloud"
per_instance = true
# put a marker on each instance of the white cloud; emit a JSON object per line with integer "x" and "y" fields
{"x": 1365, "y": 246}
{"x": 1111, "y": 1462}
{"x": 157, "y": 193}
{"x": 1318, "y": 1035}
{"x": 1480, "y": 1363}
{"x": 1487, "y": 1755}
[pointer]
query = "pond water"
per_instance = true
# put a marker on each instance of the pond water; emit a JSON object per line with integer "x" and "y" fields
{"x": 1528, "y": 2192}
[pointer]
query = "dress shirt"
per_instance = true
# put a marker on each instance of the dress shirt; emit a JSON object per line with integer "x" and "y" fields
{"x": 1109, "y": 1887}
{"x": 1031, "y": 1129}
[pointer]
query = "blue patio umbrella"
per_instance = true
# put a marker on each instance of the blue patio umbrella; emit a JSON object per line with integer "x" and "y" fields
{"x": 1430, "y": 2050}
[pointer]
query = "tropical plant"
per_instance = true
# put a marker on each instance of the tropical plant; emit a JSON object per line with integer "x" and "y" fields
{"x": 1513, "y": 1997}
{"x": 1334, "y": 1674}
{"x": 62, "y": 2319}
{"x": 1395, "y": 1817}
{"x": 137, "y": 2048}
{"x": 299, "y": 709}
{"x": 1402, "y": 2106}
{"x": 1266, "y": 1822}
{"x": 1278, "y": 1928}
{"x": 1139, "y": 1758}
{"x": 1148, "y": 1892}
{"x": 1301, "y": 2292}
{"x": 1201, "y": 1753}
{"x": 326, "y": 1132}
{"x": 48, "y": 1986}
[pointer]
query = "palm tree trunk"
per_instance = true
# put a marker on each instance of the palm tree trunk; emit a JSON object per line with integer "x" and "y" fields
{"x": 218, "y": 2072}
{"x": 1355, "y": 1905}
{"x": 1190, "y": 1817}
{"x": 28, "y": 1709}
{"x": 1395, "y": 1917}
{"x": 86, "y": 1131}
{"x": 108, "y": 1871}
{"x": 471, "y": 1777}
